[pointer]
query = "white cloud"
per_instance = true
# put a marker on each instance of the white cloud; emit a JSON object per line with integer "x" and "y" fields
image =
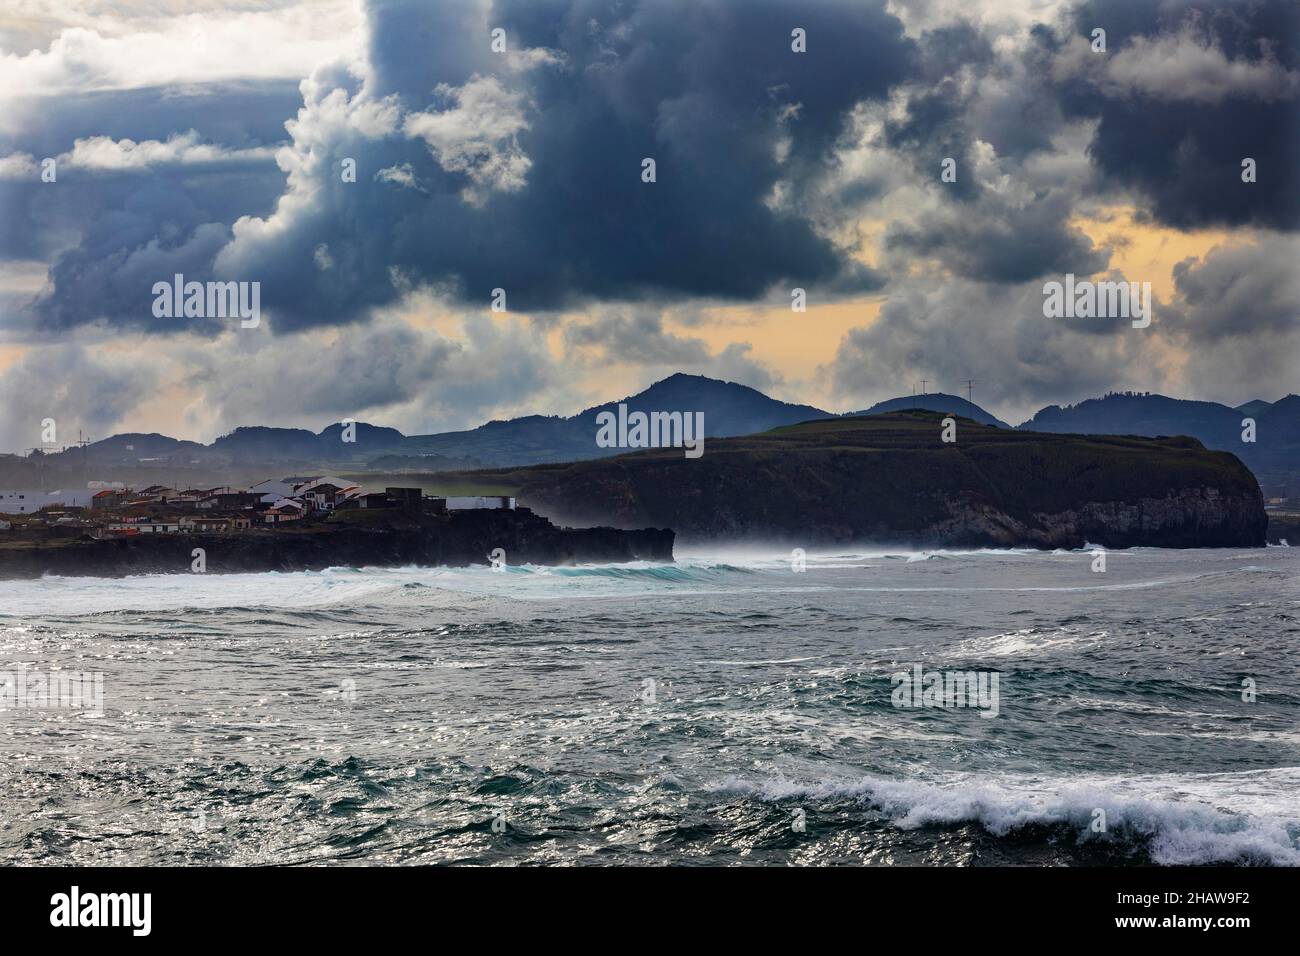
{"x": 401, "y": 174}
{"x": 997, "y": 16}
{"x": 478, "y": 135}
{"x": 328, "y": 117}
{"x": 1183, "y": 66}
{"x": 120, "y": 54}
{"x": 103, "y": 152}
{"x": 18, "y": 166}
{"x": 106, "y": 154}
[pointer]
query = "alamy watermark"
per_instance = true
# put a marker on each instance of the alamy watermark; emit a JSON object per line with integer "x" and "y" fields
{"x": 21, "y": 689}
{"x": 653, "y": 430}
{"x": 947, "y": 689}
{"x": 1098, "y": 300}
{"x": 75, "y": 908}
{"x": 208, "y": 300}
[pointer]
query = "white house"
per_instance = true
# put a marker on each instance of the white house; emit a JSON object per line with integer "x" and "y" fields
{"x": 322, "y": 491}
{"x": 145, "y": 527}
{"x": 282, "y": 488}
{"x": 159, "y": 527}
{"x": 325, "y": 493}
{"x": 285, "y": 509}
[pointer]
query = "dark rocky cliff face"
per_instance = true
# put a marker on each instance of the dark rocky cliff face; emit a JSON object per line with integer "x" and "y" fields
{"x": 464, "y": 538}
{"x": 888, "y": 479}
{"x": 1191, "y": 518}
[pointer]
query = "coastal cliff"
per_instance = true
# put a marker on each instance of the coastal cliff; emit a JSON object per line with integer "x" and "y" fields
{"x": 890, "y": 479}
{"x": 391, "y": 539}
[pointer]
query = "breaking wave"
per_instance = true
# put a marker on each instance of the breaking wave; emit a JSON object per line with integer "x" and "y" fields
{"x": 1239, "y": 818}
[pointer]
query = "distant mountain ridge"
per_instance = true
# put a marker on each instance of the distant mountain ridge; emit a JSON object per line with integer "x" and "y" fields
{"x": 1273, "y": 455}
{"x": 729, "y": 409}
{"x": 1140, "y": 414}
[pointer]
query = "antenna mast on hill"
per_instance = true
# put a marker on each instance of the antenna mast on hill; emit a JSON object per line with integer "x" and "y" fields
{"x": 970, "y": 389}
{"x": 923, "y": 381}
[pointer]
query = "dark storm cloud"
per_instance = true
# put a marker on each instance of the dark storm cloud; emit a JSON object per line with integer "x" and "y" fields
{"x": 997, "y": 240}
{"x": 103, "y": 280}
{"x": 934, "y": 130}
{"x": 935, "y": 125}
{"x": 235, "y": 114}
{"x": 105, "y": 232}
{"x": 1184, "y": 92}
{"x": 478, "y": 171}
{"x": 705, "y": 89}
{"x": 1247, "y": 291}
{"x": 416, "y": 46}
{"x": 962, "y": 95}
{"x": 1015, "y": 112}
{"x": 1236, "y": 311}
{"x": 1189, "y": 165}
{"x": 41, "y": 220}
{"x": 88, "y": 214}
{"x": 1162, "y": 129}
{"x": 954, "y": 330}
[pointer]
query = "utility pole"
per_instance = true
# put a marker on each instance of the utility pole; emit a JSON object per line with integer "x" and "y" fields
{"x": 83, "y": 442}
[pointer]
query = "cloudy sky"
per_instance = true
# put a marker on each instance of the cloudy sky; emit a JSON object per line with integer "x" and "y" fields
{"x": 210, "y": 138}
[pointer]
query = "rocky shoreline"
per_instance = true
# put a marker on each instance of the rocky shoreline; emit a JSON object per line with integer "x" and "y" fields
{"x": 457, "y": 540}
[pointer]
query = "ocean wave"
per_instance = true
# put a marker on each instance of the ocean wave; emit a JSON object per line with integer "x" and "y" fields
{"x": 301, "y": 591}
{"x": 640, "y": 570}
{"x": 722, "y": 572}
{"x": 175, "y": 593}
{"x": 1176, "y": 819}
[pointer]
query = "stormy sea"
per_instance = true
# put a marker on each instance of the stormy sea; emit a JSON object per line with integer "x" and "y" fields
{"x": 730, "y": 709}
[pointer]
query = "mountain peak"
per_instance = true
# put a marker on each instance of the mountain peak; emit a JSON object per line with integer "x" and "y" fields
{"x": 729, "y": 408}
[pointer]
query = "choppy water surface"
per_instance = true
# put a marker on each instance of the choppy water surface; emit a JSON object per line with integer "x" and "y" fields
{"x": 391, "y": 715}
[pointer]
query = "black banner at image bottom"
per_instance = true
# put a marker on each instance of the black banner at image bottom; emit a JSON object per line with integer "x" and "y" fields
{"x": 137, "y": 906}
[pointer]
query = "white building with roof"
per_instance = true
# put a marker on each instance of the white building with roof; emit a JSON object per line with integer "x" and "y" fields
{"x": 23, "y": 501}
{"x": 280, "y": 488}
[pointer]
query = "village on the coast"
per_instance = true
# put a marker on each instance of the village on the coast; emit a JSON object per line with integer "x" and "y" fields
{"x": 112, "y": 510}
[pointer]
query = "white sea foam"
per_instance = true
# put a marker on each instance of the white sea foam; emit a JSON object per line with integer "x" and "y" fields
{"x": 713, "y": 572}
{"x": 1025, "y": 642}
{"x": 67, "y": 596}
{"x": 1187, "y": 818}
